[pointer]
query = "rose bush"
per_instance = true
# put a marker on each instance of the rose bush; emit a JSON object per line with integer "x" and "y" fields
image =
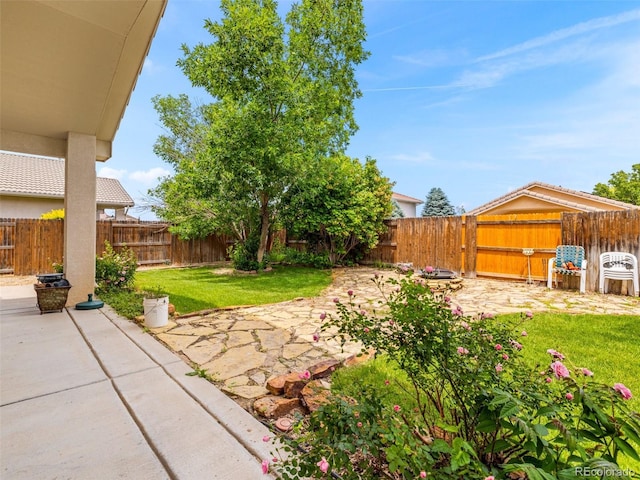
{"x": 478, "y": 410}
{"x": 115, "y": 270}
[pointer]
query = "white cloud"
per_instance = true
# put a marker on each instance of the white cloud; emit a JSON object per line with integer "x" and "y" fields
{"x": 578, "y": 29}
{"x": 150, "y": 67}
{"x": 108, "y": 172}
{"x": 149, "y": 177}
{"x": 434, "y": 58}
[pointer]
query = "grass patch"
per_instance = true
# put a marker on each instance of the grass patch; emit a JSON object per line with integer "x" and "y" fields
{"x": 201, "y": 288}
{"x": 608, "y": 345}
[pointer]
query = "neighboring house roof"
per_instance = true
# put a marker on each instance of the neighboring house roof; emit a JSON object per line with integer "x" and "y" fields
{"x": 28, "y": 176}
{"x": 543, "y": 197}
{"x": 405, "y": 198}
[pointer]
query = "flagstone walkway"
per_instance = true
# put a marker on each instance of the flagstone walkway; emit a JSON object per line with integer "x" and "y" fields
{"x": 241, "y": 348}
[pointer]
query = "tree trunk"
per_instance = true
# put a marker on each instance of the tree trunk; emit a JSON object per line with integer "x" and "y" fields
{"x": 264, "y": 227}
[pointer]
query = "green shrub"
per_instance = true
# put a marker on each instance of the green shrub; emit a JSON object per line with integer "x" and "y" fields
{"x": 244, "y": 256}
{"x": 477, "y": 410}
{"x": 115, "y": 270}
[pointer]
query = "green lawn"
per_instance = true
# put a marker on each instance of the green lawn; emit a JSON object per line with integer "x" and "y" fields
{"x": 201, "y": 288}
{"x": 608, "y": 345}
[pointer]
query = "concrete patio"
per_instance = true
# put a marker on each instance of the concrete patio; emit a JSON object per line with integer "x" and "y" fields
{"x": 88, "y": 396}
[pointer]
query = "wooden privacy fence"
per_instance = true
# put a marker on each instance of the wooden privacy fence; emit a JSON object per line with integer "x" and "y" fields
{"x": 30, "y": 246}
{"x": 493, "y": 246}
{"x": 489, "y": 246}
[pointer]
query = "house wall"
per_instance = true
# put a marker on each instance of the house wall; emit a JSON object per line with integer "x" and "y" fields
{"x": 526, "y": 204}
{"x": 25, "y": 207}
{"x": 408, "y": 208}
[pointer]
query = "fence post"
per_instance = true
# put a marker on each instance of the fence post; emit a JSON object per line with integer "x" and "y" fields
{"x": 470, "y": 246}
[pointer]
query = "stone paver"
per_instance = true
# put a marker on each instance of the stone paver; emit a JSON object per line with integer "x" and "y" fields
{"x": 241, "y": 348}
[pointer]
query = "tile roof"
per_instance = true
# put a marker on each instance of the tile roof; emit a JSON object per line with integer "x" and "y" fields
{"x": 28, "y": 176}
{"x": 524, "y": 191}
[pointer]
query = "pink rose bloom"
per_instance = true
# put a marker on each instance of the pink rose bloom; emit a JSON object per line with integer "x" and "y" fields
{"x": 524, "y": 333}
{"x": 486, "y": 315}
{"x": 306, "y": 375}
{"x": 363, "y": 312}
{"x": 548, "y": 380}
{"x": 336, "y": 300}
{"x": 316, "y": 337}
{"x": 498, "y": 347}
{"x": 529, "y": 314}
{"x": 462, "y": 351}
{"x": 622, "y": 390}
{"x": 559, "y": 370}
{"x": 490, "y": 477}
{"x": 569, "y": 396}
{"x": 323, "y": 315}
{"x": 391, "y": 322}
{"x": 324, "y": 465}
{"x": 386, "y": 382}
{"x": 266, "y": 438}
{"x": 350, "y": 292}
{"x": 498, "y": 367}
{"x": 428, "y": 269}
{"x": 423, "y": 474}
{"x": 359, "y": 424}
{"x": 447, "y": 299}
{"x": 555, "y": 354}
{"x": 265, "y": 466}
{"x": 396, "y": 408}
{"x": 516, "y": 345}
{"x": 586, "y": 372}
{"x": 505, "y": 356}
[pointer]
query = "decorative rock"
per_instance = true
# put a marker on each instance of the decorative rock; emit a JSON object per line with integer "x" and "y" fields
{"x": 293, "y": 385}
{"x": 284, "y": 424}
{"x": 274, "y": 407}
{"x": 323, "y": 369}
{"x": 314, "y": 395}
{"x": 358, "y": 358}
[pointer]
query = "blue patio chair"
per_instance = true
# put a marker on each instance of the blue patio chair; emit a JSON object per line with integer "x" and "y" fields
{"x": 569, "y": 260}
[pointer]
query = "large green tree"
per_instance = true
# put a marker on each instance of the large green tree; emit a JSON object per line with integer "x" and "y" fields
{"x": 284, "y": 95}
{"x": 340, "y": 207}
{"x": 622, "y": 186}
{"x": 437, "y": 204}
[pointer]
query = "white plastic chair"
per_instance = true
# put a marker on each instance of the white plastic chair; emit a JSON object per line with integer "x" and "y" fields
{"x": 618, "y": 266}
{"x": 569, "y": 260}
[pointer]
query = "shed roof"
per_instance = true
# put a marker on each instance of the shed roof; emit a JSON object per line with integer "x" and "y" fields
{"x": 43, "y": 177}
{"x": 554, "y": 196}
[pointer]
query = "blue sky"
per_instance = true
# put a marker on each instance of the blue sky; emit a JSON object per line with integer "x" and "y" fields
{"x": 475, "y": 97}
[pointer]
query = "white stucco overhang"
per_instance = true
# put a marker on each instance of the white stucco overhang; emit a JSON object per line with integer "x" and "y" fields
{"x": 70, "y": 66}
{"x": 67, "y": 70}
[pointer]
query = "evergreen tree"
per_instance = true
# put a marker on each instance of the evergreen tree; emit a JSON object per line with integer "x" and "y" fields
{"x": 396, "y": 211}
{"x": 437, "y": 204}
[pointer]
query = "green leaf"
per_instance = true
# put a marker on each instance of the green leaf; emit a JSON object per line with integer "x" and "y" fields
{"x": 625, "y": 447}
{"x": 510, "y": 408}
